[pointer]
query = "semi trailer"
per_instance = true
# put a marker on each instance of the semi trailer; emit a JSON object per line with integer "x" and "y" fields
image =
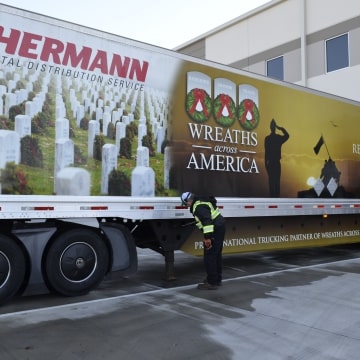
{"x": 100, "y": 134}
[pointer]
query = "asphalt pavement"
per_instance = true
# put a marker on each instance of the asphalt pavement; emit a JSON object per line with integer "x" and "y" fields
{"x": 271, "y": 306}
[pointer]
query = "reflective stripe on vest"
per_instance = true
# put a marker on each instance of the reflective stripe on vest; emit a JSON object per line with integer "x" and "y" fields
{"x": 214, "y": 212}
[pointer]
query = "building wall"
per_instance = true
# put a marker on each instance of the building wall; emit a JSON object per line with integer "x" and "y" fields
{"x": 296, "y": 30}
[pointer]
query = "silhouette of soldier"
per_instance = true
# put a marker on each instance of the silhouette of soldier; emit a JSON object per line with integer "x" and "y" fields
{"x": 273, "y": 143}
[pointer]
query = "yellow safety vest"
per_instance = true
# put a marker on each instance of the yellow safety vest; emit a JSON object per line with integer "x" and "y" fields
{"x": 214, "y": 212}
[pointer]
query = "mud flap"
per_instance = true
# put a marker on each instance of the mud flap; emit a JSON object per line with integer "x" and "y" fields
{"x": 123, "y": 248}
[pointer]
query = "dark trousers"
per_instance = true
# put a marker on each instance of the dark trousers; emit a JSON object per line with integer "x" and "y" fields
{"x": 274, "y": 172}
{"x": 213, "y": 256}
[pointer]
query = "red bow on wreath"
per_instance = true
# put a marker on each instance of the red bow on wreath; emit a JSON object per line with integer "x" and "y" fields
{"x": 225, "y": 100}
{"x": 199, "y": 95}
{"x": 248, "y": 106}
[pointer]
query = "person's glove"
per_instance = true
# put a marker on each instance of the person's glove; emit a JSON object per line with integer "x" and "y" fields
{"x": 207, "y": 244}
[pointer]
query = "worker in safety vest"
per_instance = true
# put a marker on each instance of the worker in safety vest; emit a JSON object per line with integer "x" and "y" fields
{"x": 212, "y": 224}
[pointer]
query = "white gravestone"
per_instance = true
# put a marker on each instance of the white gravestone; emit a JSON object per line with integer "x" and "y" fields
{"x": 30, "y": 108}
{"x": 120, "y": 131}
{"x": 73, "y": 181}
{"x": 9, "y": 147}
{"x": 98, "y": 114}
{"x": 10, "y": 100}
{"x": 64, "y": 156}
{"x": 141, "y": 133}
{"x": 109, "y": 162}
{"x": 23, "y": 125}
{"x": 142, "y": 158}
{"x": 80, "y": 113}
{"x": 94, "y": 129}
{"x": 115, "y": 116}
{"x": 106, "y": 121}
{"x": 125, "y": 119}
{"x": 62, "y": 129}
{"x": 159, "y": 138}
{"x": 143, "y": 181}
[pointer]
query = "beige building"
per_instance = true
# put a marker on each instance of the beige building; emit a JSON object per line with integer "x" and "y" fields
{"x": 314, "y": 43}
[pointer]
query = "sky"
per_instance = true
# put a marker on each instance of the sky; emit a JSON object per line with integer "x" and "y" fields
{"x": 165, "y": 23}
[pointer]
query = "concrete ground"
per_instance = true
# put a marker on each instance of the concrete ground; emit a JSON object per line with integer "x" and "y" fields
{"x": 271, "y": 306}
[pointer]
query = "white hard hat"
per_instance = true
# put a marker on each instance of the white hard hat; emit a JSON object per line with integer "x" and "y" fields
{"x": 185, "y": 197}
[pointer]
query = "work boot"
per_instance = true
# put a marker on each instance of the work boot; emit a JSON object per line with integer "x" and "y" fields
{"x": 206, "y": 286}
{"x": 218, "y": 283}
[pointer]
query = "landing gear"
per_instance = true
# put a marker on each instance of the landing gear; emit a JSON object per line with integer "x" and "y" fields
{"x": 169, "y": 265}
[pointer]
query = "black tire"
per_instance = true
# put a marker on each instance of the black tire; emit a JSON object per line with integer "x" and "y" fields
{"x": 76, "y": 262}
{"x": 12, "y": 268}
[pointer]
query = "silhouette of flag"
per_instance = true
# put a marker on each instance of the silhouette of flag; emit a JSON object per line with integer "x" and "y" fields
{"x": 319, "y": 144}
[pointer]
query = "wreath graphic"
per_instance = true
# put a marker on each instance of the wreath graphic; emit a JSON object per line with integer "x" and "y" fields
{"x": 248, "y": 114}
{"x": 224, "y": 110}
{"x": 198, "y": 105}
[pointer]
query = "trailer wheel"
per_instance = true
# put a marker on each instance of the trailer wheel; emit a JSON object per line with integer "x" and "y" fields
{"x": 12, "y": 268}
{"x": 76, "y": 262}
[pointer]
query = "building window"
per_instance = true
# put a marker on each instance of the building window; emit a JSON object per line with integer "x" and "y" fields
{"x": 275, "y": 68}
{"x": 337, "y": 53}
